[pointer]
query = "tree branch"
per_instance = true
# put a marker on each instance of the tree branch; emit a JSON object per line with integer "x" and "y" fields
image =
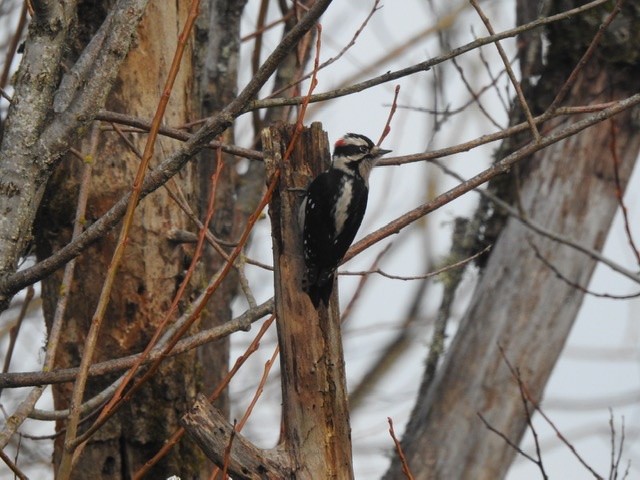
{"x": 213, "y": 434}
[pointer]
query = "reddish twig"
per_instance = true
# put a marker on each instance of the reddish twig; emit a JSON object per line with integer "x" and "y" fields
{"x": 392, "y": 111}
{"x": 332, "y": 59}
{"x": 263, "y": 380}
{"x": 257, "y": 394}
{"x": 265, "y": 27}
{"x": 227, "y": 451}
{"x": 115, "y": 400}
{"x": 403, "y": 459}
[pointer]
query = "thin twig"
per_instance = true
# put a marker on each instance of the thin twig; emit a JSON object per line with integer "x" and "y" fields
{"x": 267, "y": 27}
{"x": 403, "y": 459}
{"x": 512, "y": 75}
{"x": 573, "y": 284}
{"x": 423, "y": 66}
{"x": 494, "y": 80}
{"x": 376, "y": 6}
{"x": 361, "y": 284}
{"x": 15, "y": 329}
{"x": 516, "y": 375}
{"x": 534, "y": 432}
{"x": 227, "y": 451}
{"x": 392, "y": 111}
{"x": 12, "y": 466}
{"x": 613, "y": 470}
{"x": 425, "y": 275}
{"x": 475, "y": 98}
{"x": 509, "y": 442}
{"x": 256, "y": 396}
{"x": 548, "y": 233}
{"x": 13, "y": 45}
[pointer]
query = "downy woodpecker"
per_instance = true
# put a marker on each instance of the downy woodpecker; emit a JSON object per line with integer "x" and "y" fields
{"x": 332, "y": 212}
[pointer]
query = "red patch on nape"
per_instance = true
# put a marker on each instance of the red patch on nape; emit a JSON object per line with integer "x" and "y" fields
{"x": 340, "y": 143}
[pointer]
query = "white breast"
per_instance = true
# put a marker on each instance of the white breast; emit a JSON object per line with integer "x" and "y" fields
{"x": 342, "y": 203}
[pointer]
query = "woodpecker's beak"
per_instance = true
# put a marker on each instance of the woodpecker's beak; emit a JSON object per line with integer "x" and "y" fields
{"x": 378, "y": 152}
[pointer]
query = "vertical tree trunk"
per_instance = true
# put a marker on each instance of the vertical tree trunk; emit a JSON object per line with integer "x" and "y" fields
{"x": 150, "y": 272}
{"x": 520, "y": 305}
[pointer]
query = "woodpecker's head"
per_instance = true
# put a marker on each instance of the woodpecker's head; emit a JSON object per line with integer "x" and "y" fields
{"x": 355, "y": 153}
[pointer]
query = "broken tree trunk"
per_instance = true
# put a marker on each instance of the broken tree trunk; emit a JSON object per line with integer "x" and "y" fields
{"x": 315, "y": 412}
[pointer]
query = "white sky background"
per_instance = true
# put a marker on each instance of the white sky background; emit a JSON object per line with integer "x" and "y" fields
{"x": 600, "y": 362}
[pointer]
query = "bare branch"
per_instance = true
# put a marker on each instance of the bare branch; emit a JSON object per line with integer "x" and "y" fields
{"x": 496, "y": 169}
{"x": 423, "y": 66}
{"x": 552, "y": 235}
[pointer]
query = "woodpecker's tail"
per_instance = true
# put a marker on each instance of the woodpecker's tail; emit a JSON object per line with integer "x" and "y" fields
{"x": 319, "y": 287}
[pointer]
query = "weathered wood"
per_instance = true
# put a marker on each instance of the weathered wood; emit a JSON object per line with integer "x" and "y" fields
{"x": 315, "y": 412}
{"x": 217, "y": 438}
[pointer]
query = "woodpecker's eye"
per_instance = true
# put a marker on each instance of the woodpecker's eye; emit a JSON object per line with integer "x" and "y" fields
{"x": 363, "y": 149}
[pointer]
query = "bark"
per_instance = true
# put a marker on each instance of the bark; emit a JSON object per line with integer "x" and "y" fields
{"x": 315, "y": 413}
{"x": 39, "y": 129}
{"x": 149, "y": 275}
{"x": 520, "y": 305}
